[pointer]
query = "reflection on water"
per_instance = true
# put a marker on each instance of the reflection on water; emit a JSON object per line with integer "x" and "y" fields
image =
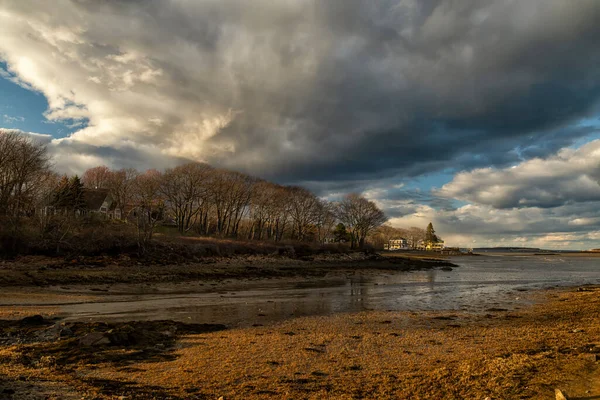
{"x": 479, "y": 283}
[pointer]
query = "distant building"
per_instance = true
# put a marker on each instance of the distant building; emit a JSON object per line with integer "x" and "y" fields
{"x": 99, "y": 201}
{"x": 431, "y": 246}
{"x": 96, "y": 201}
{"x": 396, "y": 244}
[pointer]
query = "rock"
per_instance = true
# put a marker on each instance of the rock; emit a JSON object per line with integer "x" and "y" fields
{"x": 34, "y": 320}
{"x": 577, "y": 330}
{"x": 119, "y": 338}
{"x": 65, "y": 332}
{"x": 94, "y": 339}
{"x": 559, "y": 395}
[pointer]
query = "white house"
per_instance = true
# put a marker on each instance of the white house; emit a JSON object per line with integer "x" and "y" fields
{"x": 396, "y": 244}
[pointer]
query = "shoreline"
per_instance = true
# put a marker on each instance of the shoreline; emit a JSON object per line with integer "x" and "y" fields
{"x": 506, "y": 354}
{"x": 48, "y": 271}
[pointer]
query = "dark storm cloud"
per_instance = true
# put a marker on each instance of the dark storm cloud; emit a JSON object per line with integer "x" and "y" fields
{"x": 299, "y": 91}
{"x": 419, "y": 90}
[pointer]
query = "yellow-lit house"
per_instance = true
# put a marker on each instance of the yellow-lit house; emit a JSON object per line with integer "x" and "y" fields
{"x": 431, "y": 246}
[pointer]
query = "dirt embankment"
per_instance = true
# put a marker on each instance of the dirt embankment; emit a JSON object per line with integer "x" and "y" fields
{"x": 43, "y": 271}
{"x": 519, "y": 354}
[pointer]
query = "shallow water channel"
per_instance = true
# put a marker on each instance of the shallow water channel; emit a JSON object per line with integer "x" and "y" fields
{"x": 479, "y": 283}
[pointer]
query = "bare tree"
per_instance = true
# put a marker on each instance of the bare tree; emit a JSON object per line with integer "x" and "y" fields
{"x": 122, "y": 189}
{"x": 261, "y": 210}
{"x": 22, "y": 164}
{"x": 97, "y": 177}
{"x": 325, "y": 220}
{"x": 303, "y": 210}
{"x": 185, "y": 189}
{"x": 44, "y": 197}
{"x": 230, "y": 193}
{"x": 360, "y": 216}
{"x": 280, "y": 210}
{"x": 414, "y": 236}
{"x": 148, "y": 203}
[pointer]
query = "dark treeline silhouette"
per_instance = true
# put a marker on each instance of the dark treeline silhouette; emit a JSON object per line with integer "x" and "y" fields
{"x": 194, "y": 198}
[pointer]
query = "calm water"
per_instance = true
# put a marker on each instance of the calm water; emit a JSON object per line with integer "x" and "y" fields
{"x": 479, "y": 283}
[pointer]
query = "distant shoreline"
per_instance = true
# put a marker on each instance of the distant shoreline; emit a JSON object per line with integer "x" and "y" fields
{"x": 573, "y": 253}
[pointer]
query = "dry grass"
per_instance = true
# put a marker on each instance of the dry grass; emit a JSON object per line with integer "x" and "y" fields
{"x": 18, "y": 312}
{"x": 383, "y": 355}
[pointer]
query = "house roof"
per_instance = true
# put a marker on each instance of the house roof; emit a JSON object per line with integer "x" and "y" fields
{"x": 94, "y": 198}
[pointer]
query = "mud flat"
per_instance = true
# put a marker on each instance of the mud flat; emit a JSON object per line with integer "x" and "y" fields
{"x": 501, "y": 354}
{"x": 46, "y": 271}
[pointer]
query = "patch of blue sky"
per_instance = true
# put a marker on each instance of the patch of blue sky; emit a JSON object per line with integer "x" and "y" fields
{"x": 423, "y": 188}
{"x": 591, "y": 123}
{"x": 22, "y": 108}
{"x": 427, "y": 182}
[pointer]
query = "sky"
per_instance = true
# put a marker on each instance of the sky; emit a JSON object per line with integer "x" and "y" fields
{"x": 480, "y": 116}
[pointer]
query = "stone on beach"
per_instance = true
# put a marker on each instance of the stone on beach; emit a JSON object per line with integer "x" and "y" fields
{"x": 560, "y": 395}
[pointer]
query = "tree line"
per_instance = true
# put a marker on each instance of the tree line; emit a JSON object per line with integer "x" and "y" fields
{"x": 194, "y": 197}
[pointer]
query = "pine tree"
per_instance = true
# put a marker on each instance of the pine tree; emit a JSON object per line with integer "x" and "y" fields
{"x": 76, "y": 194}
{"x": 340, "y": 233}
{"x": 60, "y": 199}
{"x": 69, "y": 194}
{"x": 430, "y": 236}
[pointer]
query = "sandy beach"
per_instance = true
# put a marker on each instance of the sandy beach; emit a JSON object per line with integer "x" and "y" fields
{"x": 502, "y": 354}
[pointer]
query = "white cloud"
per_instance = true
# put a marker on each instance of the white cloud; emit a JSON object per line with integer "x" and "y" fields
{"x": 571, "y": 175}
{"x": 298, "y": 87}
{"x": 342, "y": 89}
{"x": 9, "y": 119}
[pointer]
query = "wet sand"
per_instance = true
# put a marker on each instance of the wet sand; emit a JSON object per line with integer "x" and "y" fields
{"x": 501, "y": 354}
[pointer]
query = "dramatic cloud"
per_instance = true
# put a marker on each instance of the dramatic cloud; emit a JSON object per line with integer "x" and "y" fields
{"x": 338, "y": 95}
{"x": 304, "y": 90}
{"x": 571, "y": 176}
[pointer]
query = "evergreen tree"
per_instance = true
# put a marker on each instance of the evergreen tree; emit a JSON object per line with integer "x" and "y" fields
{"x": 69, "y": 194}
{"x": 340, "y": 233}
{"x": 76, "y": 192}
{"x": 61, "y": 194}
{"x": 430, "y": 236}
